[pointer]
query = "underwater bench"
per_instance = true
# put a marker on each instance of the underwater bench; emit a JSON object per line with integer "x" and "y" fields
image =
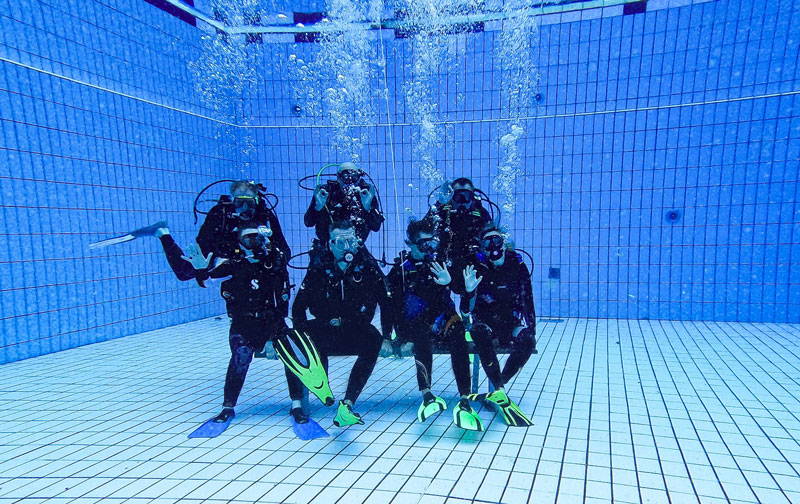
{"x": 437, "y": 350}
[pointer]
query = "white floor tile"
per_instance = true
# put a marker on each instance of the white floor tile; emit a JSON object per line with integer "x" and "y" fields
{"x": 704, "y": 411}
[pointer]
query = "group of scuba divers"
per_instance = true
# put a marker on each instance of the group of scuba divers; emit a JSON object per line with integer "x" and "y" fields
{"x": 457, "y": 247}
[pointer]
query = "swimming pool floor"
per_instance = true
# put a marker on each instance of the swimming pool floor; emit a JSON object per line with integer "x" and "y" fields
{"x": 624, "y": 411}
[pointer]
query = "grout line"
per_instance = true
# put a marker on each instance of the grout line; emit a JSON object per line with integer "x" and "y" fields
{"x": 407, "y": 124}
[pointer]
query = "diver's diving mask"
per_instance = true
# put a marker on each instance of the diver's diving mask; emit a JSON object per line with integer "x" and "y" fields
{"x": 463, "y": 198}
{"x": 349, "y": 177}
{"x": 427, "y": 245}
{"x": 245, "y": 206}
{"x": 493, "y": 245}
{"x": 345, "y": 246}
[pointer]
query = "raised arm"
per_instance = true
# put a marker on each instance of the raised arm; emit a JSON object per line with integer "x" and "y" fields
{"x": 315, "y": 208}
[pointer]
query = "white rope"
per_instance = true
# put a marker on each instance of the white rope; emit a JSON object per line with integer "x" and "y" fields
{"x": 389, "y": 124}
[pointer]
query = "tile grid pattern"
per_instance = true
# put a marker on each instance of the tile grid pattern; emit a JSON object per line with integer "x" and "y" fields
{"x": 700, "y": 115}
{"x": 623, "y": 411}
{"x": 97, "y": 138}
{"x": 690, "y": 109}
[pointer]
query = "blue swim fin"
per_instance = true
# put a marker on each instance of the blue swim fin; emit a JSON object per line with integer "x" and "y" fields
{"x": 308, "y": 430}
{"x": 214, "y": 426}
{"x": 132, "y": 235}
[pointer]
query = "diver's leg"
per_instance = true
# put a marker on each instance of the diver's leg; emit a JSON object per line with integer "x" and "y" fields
{"x": 459, "y": 356}
{"x": 522, "y": 346}
{"x": 420, "y": 335}
{"x": 241, "y": 356}
{"x": 365, "y": 342}
{"x": 482, "y": 337}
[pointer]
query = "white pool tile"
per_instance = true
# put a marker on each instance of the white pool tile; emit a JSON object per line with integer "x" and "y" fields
{"x": 677, "y": 410}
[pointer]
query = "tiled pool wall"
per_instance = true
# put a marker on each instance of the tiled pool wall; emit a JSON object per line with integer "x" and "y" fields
{"x": 661, "y": 169}
{"x": 94, "y": 144}
{"x": 688, "y": 111}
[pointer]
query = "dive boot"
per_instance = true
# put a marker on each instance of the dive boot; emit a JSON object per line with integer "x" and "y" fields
{"x": 430, "y": 406}
{"x": 346, "y": 416}
{"x": 298, "y": 353}
{"x": 225, "y": 416}
{"x": 512, "y": 415}
{"x": 298, "y": 415}
{"x": 465, "y": 417}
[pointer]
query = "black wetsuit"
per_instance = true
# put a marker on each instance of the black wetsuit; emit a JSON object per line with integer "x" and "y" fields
{"x": 256, "y": 298}
{"x": 459, "y": 237}
{"x": 343, "y": 204}
{"x": 423, "y": 312}
{"x": 218, "y": 233}
{"x": 503, "y": 302}
{"x": 343, "y": 304}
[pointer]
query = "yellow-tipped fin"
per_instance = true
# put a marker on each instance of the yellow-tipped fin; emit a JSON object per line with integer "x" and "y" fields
{"x": 298, "y": 353}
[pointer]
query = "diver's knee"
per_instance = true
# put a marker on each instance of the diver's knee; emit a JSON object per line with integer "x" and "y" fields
{"x": 525, "y": 340}
{"x": 242, "y": 354}
{"x": 480, "y": 330}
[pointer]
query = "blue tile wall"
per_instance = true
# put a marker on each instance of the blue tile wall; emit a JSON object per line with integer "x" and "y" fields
{"x": 82, "y": 160}
{"x": 690, "y": 107}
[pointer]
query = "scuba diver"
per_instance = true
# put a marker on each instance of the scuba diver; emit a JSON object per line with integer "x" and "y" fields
{"x": 423, "y": 311}
{"x": 257, "y": 301}
{"x": 246, "y": 204}
{"x": 502, "y": 306}
{"x": 459, "y": 216}
{"x": 348, "y": 198}
{"x": 342, "y": 292}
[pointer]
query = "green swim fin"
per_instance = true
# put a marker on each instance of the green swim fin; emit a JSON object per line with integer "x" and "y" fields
{"x": 465, "y": 417}
{"x": 512, "y": 415}
{"x": 298, "y": 353}
{"x": 430, "y": 407}
{"x": 346, "y": 416}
